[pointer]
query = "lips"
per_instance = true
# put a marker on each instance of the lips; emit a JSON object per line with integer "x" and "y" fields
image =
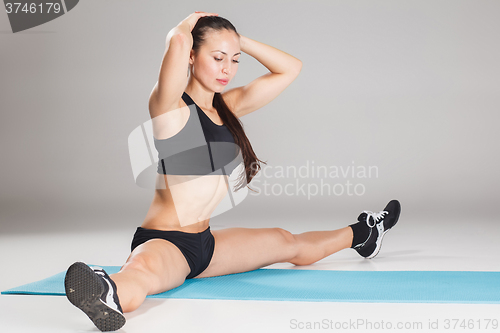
{"x": 224, "y": 82}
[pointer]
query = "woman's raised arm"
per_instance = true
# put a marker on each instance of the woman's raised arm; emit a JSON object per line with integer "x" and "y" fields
{"x": 173, "y": 71}
{"x": 283, "y": 69}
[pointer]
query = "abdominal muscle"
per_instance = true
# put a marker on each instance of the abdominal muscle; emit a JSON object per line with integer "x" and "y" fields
{"x": 185, "y": 203}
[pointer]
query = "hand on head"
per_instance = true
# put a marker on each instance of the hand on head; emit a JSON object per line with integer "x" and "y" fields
{"x": 194, "y": 17}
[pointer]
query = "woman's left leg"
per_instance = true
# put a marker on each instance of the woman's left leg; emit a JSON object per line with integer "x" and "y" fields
{"x": 316, "y": 245}
{"x": 244, "y": 249}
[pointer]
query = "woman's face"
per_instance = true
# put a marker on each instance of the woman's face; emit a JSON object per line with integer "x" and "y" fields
{"x": 216, "y": 62}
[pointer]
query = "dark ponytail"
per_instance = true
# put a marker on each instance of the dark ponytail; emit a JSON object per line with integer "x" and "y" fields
{"x": 233, "y": 123}
{"x": 235, "y": 126}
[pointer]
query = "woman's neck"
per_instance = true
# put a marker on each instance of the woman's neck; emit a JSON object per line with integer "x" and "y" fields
{"x": 200, "y": 96}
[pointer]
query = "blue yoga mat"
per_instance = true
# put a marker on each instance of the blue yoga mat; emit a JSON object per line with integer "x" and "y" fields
{"x": 320, "y": 286}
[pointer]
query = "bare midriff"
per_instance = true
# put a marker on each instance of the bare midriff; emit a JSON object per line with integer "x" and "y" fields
{"x": 185, "y": 203}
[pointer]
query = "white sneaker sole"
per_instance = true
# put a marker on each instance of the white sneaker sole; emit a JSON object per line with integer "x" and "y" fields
{"x": 378, "y": 242}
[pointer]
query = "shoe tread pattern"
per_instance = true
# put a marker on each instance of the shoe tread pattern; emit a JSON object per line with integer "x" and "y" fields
{"x": 84, "y": 289}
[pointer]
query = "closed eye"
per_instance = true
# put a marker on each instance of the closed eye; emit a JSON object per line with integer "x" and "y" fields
{"x": 219, "y": 59}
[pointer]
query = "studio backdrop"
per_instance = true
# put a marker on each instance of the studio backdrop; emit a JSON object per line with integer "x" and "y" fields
{"x": 395, "y": 100}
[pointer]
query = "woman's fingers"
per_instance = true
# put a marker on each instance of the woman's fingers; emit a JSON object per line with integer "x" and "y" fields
{"x": 206, "y": 14}
{"x": 193, "y": 18}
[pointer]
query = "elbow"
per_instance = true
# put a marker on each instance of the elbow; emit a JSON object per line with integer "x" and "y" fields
{"x": 299, "y": 66}
{"x": 296, "y": 67}
{"x": 180, "y": 40}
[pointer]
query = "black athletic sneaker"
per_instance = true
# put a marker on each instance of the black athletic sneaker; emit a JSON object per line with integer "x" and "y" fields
{"x": 92, "y": 291}
{"x": 379, "y": 223}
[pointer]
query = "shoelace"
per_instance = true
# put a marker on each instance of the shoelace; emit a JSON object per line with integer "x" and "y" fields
{"x": 376, "y": 217}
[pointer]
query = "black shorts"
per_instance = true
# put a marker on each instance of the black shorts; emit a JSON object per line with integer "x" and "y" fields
{"x": 198, "y": 248}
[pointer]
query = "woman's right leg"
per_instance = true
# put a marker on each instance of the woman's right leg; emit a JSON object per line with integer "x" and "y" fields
{"x": 153, "y": 267}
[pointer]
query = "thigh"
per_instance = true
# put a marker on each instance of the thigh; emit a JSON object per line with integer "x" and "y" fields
{"x": 244, "y": 249}
{"x": 163, "y": 263}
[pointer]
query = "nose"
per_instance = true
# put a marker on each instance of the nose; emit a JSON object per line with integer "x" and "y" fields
{"x": 226, "y": 69}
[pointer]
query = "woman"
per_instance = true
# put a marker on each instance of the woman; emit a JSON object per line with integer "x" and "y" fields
{"x": 174, "y": 242}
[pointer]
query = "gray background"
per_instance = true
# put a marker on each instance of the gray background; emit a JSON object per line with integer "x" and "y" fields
{"x": 411, "y": 87}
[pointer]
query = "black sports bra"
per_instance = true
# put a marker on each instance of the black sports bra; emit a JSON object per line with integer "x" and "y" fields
{"x": 200, "y": 148}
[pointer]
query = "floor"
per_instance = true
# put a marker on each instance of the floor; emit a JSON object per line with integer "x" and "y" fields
{"x": 415, "y": 244}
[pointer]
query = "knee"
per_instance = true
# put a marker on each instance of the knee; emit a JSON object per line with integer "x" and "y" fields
{"x": 288, "y": 241}
{"x": 286, "y": 235}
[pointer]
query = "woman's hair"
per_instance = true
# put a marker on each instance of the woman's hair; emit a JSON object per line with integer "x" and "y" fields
{"x": 252, "y": 166}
